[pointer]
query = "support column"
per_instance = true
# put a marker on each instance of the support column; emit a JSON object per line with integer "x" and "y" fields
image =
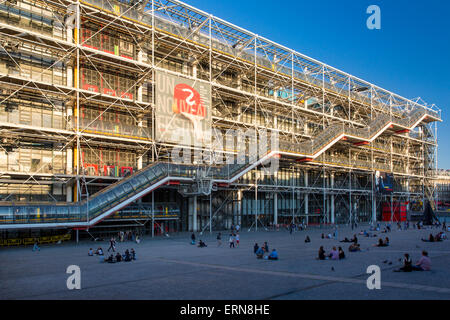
{"x": 193, "y": 214}
{"x": 306, "y": 199}
{"x": 239, "y": 208}
{"x": 374, "y": 203}
{"x": 194, "y": 69}
{"x": 333, "y": 219}
{"x": 275, "y": 208}
{"x": 140, "y": 58}
{"x": 69, "y": 194}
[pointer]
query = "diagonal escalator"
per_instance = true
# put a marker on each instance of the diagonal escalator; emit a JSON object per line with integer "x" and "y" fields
{"x": 87, "y": 213}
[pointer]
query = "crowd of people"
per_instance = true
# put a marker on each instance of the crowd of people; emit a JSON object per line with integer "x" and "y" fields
{"x": 128, "y": 256}
{"x": 263, "y": 252}
{"x": 423, "y": 264}
{"x": 441, "y": 236}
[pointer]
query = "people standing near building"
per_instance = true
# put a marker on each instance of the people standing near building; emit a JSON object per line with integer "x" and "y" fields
{"x": 231, "y": 240}
{"x": 238, "y": 227}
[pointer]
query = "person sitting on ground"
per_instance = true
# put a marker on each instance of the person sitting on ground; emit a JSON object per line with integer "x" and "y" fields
{"x": 380, "y": 243}
{"x": 255, "y": 247}
{"x": 354, "y": 247}
{"x": 201, "y": 244}
{"x": 329, "y": 236}
{"x": 334, "y": 254}
{"x": 118, "y": 257}
{"x": 127, "y": 256}
{"x": 430, "y": 239}
{"x": 99, "y": 252}
{"x": 307, "y": 239}
{"x": 354, "y": 239}
{"x": 438, "y": 238}
{"x": 266, "y": 247}
{"x": 321, "y": 253}
{"x": 133, "y": 254}
{"x": 386, "y": 242}
{"x": 424, "y": 264}
{"x": 407, "y": 264}
{"x": 36, "y": 246}
{"x": 341, "y": 253}
{"x": 346, "y": 240}
{"x": 90, "y": 252}
{"x": 273, "y": 255}
{"x": 110, "y": 259}
{"x": 259, "y": 253}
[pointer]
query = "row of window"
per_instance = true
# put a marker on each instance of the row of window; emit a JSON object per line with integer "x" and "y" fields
{"x": 117, "y": 44}
{"x": 108, "y": 84}
{"x": 24, "y": 114}
{"x": 33, "y": 67}
{"x": 111, "y": 163}
{"x": 33, "y": 161}
{"x": 29, "y": 193}
{"x": 31, "y": 17}
{"x": 113, "y": 122}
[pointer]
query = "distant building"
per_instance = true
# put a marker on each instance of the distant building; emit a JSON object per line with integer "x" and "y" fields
{"x": 442, "y": 184}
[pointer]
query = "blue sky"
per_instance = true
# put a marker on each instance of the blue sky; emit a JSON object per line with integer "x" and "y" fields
{"x": 409, "y": 56}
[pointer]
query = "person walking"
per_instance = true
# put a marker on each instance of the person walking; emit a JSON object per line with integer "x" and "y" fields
{"x": 219, "y": 239}
{"x": 112, "y": 245}
{"x": 231, "y": 240}
{"x": 237, "y": 240}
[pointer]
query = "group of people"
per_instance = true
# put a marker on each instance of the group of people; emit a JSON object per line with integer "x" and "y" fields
{"x": 201, "y": 243}
{"x": 234, "y": 239}
{"x": 424, "y": 263}
{"x": 335, "y": 254}
{"x": 438, "y": 237}
{"x": 128, "y": 256}
{"x": 128, "y": 236}
{"x": 264, "y": 249}
{"x": 355, "y": 246}
{"x": 382, "y": 243}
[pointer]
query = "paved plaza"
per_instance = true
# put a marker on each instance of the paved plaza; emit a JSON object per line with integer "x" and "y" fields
{"x": 171, "y": 268}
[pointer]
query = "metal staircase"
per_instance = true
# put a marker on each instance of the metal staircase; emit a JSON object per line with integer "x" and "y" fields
{"x": 87, "y": 213}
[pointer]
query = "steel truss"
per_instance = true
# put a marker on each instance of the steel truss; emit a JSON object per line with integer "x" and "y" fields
{"x": 93, "y": 72}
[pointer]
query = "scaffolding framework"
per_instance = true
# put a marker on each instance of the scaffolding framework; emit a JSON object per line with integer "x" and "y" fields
{"x": 78, "y": 113}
